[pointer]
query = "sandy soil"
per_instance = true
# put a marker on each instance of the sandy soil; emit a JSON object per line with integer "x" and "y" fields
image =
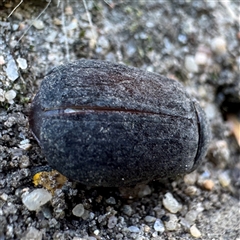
{"x": 194, "y": 42}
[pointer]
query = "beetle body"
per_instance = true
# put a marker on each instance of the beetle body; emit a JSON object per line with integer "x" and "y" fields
{"x": 106, "y": 124}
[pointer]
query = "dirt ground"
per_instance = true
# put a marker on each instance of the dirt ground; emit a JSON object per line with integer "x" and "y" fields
{"x": 195, "y": 42}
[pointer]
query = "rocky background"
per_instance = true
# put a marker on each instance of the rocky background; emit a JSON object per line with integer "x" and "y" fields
{"x": 195, "y": 42}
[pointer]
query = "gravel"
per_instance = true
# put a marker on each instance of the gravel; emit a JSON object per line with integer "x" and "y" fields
{"x": 194, "y": 42}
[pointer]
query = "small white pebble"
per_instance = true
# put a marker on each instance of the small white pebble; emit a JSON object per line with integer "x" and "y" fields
{"x": 4, "y": 196}
{"x": 22, "y": 63}
{"x": 201, "y": 58}
{"x": 172, "y": 223}
{"x": 155, "y": 234}
{"x": 10, "y": 95}
{"x": 37, "y": 198}
{"x": 25, "y": 144}
{"x": 184, "y": 223}
{"x": 171, "y": 204}
{"x": 158, "y": 226}
{"x": 224, "y": 179}
{"x": 12, "y": 70}
{"x": 96, "y": 232}
{"x": 33, "y": 234}
{"x": 195, "y": 232}
{"x": 78, "y": 210}
{"x": 190, "y": 64}
{"x": 38, "y": 24}
{"x": 219, "y": 45}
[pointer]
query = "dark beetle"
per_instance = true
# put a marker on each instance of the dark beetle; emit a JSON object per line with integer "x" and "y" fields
{"x": 106, "y": 124}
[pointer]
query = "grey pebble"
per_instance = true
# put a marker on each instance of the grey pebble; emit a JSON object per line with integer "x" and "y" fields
{"x": 127, "y": 209}
{"x": 149, "y": 219}
{"x": 133, "y": 229}
{"x": 111, "y": 201}
{"x": 78, "y": 210}
{"x": 112, "y": 221}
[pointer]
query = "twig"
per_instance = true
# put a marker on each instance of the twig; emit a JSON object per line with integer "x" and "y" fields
{"x": 15, "y": 9}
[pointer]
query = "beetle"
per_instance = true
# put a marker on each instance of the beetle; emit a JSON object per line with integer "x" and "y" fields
{"x": 107, "y": 124}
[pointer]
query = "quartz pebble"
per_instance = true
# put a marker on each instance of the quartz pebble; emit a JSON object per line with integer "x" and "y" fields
{"x": 224, "y": 179}
{"x": 159, "y": 226}
{"x": 38, "y": 24}
{"x": 25, "y": 144}
{"x": 37, "y": 198}
{"x": 171, "y": 204}
{"x": 4, "y": 196}
{"x": 155, "y": 234}
{"x": 133, "y": 229}
{"x": 127, "y": 209}
{"x": 111, "y": 201}
{"x": 219, "y": 45}
{"x": 10, "y": 95}
{"x": 184, "y": 223}
{"x": 32, "y": 234}
{"x": 22, "y": 63}
{"x": 201, "y": 58}
{"x": 12, "y": 70}
{"x": 172, "y": 223}
{"x": 78, "y": 210}
{"x": 96, "y": 232}
{"x": 191, "y": 216}
{"x": 195, "y": 232}
{"x": 85, "y": 215}
{"x": 190, "y": 64}
{"x": 112, "y": 221}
